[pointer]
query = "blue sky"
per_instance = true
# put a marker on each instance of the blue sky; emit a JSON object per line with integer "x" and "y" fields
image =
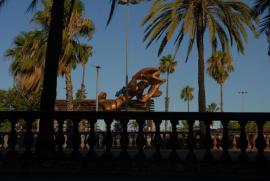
{"x": 252, "y": 70}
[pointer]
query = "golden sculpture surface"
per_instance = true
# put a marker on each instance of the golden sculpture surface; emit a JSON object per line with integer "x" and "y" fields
{"x": 146, "y": 79}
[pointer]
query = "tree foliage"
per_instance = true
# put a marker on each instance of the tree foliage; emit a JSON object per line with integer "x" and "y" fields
{"x": 219, "y": 66}
{"x": 187, "y": 93}
{"x": 182, "y": 17}
{"x": 114, "y": 3}
{"x": 29, "y": 50}
{"x": 251, "y": 126}
{"x": 212, "y": 107}
{"x": 167, "y": 64}
{"x": 262, "y": 7}
{"x": 16, "y": 99}
{"x": 225, "y": 21}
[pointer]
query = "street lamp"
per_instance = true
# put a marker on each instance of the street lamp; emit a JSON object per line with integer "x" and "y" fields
{"x": 242, "y": 93}
{"x": 97, "y": 81}
{"x": 127, "y": 2}
{"x": 126, "y": 60}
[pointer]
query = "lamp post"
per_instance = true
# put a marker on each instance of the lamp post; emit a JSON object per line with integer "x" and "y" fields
{"x": 97, "y": 84}
{"x": 127, "y": 2}
{"x": 126, "y": 57}
{"x": 242, "y": 93}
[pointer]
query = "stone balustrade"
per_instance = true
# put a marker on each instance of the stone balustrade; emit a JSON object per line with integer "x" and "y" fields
{"x": 63, "y": 134}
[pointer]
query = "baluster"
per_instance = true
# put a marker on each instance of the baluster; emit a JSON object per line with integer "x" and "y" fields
{"x": 98, "y": 143}
{"x": 133, "y": 141}
{"x": 225, "y": 142}
{"x": 85, "y": 143}
{"x": 208, "y": 142}
{"x": 243, "y": 142}
{"x": 191, "y": 142}
{"x": 28, "y": 138}
{"x": 68, "y": 130}
{"x": 260, "y": 142}
{"x": 140, "y": 140}
{"x": 267, "y": 142}
{"x": 219, "y": 137}
{"x": 108, "y": 140}
{"x": 174, "y": 142}
{"x": 83, "y": 138}
{"x": 114, "y": 140}
{"x": 2, "y": 141}
{"x": 124, "y": 141}
{"x": 76, "y": 139}
{"x": 249, "y": 138}
{"x": 234, "y": 142}
{"x": 60, "y": 139}
{"x": 12, "y": 140}
{"x": 254, "y": 142}
{"x": 92, "y": 141}
{"x": 157, "y": 140}
{"x": 215, "y": 142}
{"x": 118, "y": 140}
{"x": 45, "y": 145}
{"x": 5, "y": 136}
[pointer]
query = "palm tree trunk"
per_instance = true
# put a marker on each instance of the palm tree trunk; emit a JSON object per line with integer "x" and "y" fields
{"x": 221, "y": 97}
{"x": 69, "y": 90}
{"x": 167, "y": 100}
{"x": 201, "y": 98}
{"x": 83, "y": 84}
{"x": 83, "y": 76}
{"x": 44, "y": 146}
{"x": 167, "y": 94}
{"x": 188, "y": 105}
{"x": 53, "y": 52}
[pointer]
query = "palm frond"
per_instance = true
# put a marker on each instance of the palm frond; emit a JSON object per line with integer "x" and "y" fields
{"x": 113, "y": 4}
{"x": 2, "y": 2}
{"x": 32, "y": 5}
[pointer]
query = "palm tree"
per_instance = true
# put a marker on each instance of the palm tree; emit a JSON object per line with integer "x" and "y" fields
{"x": 44, "y": 145}
{"x": 213, "y": 107}
{"x": 75, "y": 26}
{"x": 27, "y": 60}
{"x": 167, "y": 65}
{"x": 53, "y": 54}
{"x": 81, "y": 93}
{"x": 219, "y": 66}
{"x": 73, "y": 51}
{"x": 225, "y": 21}
{"x": 262, "y": 7}
{"x": 187, "y": 94}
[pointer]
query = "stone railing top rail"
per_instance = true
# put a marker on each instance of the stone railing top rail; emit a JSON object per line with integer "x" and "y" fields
{"x": 247, "y": 116}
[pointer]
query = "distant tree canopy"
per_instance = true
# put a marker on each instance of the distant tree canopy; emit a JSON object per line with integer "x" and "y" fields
{"x": 250, "y": 127}
{"x": 16, "y": 99}
{"x": 80, "y": 95}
